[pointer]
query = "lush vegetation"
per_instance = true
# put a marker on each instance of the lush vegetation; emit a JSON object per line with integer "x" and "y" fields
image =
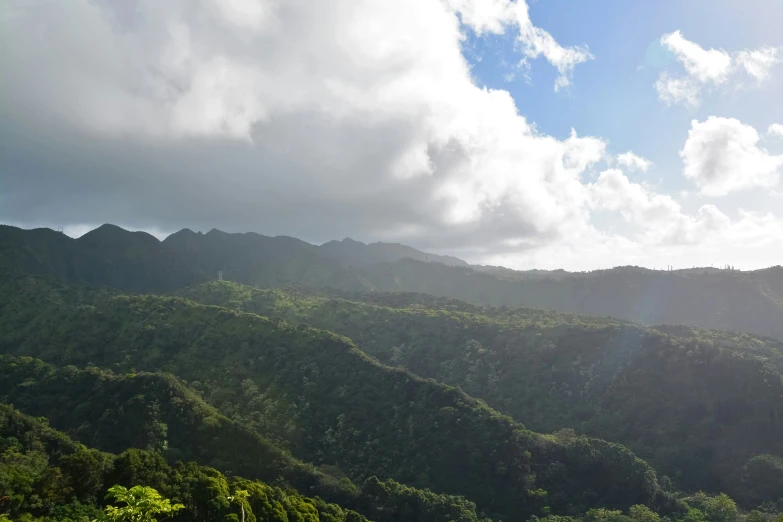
{"x": 726, "y": 300}
{"x": 135, "y": 261}
{"x": 138, "y": 262}
{"x": 317, "y": 395}
{"x": 698, "y": 405}
{"x": 45, "y": 476}
{"x": 350, "y": 402}
{"x": 155, "y": 412}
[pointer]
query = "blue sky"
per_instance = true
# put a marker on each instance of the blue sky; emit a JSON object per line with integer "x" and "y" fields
{"x": 409, "y": 121}
{"x": 612, "y": 96}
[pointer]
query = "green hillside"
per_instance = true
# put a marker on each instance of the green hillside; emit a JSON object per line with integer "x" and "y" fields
{"x": 157, "y": 413}
{"x": 45, "y": 476}
{"x": 725, "y": 300}
{"x": 698, "y": 405}
{"x": 137, "y": 262}
{"x": 316, "y": 394}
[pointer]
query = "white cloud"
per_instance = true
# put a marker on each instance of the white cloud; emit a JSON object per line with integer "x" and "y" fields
{"x": 758, "y": 63}
{"x": 495, "y": 15}
{"x": 633, "y": 162}
{"x": 638, "y": 203}
{"x": 722, "y": 155}
{"x": 347, "y": 108}
{"x": 673, "y": 90}
{"x": 356, "y": 117}
{"x": 704, "y": 65}
{"x": 709, "y": 68}
{"x": 776, "y": 129}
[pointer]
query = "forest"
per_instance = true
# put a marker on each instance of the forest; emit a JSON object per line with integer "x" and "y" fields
{"x": 750, "y": 302}
{"x": 127, "y": 369}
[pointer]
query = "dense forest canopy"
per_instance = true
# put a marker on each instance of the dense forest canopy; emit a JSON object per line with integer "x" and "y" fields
{"x": 699, "y": 405}
{"x": 317, "y": 395}
{"x": 335, "y": 399}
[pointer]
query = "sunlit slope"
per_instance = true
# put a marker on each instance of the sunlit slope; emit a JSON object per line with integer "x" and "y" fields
{"x": 697, "y": 404}
{"x": 315, "y": 393}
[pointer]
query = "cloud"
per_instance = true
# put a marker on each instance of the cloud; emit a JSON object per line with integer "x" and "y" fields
{"x": 271, "y": 115}
{"x": 633, "y": 162}
{"x": 758, "y": 63}
{"x": 495, "y": 15}
{"x": 357, "y": 118}
{"x": 709, "y": 68}
{"x": 722, "y": 155}
{"x": 704, "y": 65}
{"x": 638, "y": 203}
{"x": 776, "y": 129}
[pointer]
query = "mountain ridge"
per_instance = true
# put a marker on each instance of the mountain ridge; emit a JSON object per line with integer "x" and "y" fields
{"x": 750, "y": 302}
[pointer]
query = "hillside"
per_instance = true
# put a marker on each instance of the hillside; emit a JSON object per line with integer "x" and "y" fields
{"x": 699, "y": 405}
{"x": 327, "y": 402}
{"x": 153, "y": 412}
{"x": 355, "y": 253}
{"x": 260, "y": 260}
{"x": 46, "y": 474}
{"x": 139, "y": 262}
{"x": 157, "y": 413}
{"x": 750, "y": 302}
{"x": 108, "y": 256}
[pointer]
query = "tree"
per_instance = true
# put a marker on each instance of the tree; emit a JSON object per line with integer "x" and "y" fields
{"x": 721, "y": 508}
{"x": 240, "y": 496}
{"x": 142, "y": 504}
{"x": 641, "y": 513}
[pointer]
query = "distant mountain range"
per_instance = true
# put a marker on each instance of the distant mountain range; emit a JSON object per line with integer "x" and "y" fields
{"x": 358, "y": 254}
{"x": 135, "y": 261}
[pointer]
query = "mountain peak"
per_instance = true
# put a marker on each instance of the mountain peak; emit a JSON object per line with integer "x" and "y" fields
{"x": 349, "y": 241}
{"x": 108, "y": 234}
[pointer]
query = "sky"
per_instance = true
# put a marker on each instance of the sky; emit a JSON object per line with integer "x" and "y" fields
{"x": 540, "y": 134}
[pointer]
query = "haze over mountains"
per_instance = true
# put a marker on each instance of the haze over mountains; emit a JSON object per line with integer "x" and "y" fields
{"x": 708, "y": 298}
{"x": 389, "y": 386}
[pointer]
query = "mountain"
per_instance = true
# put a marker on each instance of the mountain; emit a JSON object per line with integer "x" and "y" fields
{"x": 749, "y": 302}
{"x": 698, "y": 405}
{"x": 708, "y": 298}
{"x": 260, "y": 260}
{"x": 317, "y": 395}
{"x": 134, "y": 261}
{"x": 108, "y": 255}
{"x": 139, "y": 262}
{"x": 358, "y": 254}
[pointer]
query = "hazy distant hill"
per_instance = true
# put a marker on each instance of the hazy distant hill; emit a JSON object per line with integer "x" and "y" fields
{"x": 356, "y": 253}
{"x": 707, "y": 298}
{"x": 725, "y": 300}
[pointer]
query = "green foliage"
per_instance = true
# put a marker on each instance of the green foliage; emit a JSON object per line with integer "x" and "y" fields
{"x": 33, "y": 454}
{"x": 640, "y": 513}
{"x": 327, "y": 402}
{"x": 697, "y": 405}
{"x": 136, "y": 261}
{"x": 85, "y": 473}
{"x": 141, "y": 504}
{"x": 704, "y": 407}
